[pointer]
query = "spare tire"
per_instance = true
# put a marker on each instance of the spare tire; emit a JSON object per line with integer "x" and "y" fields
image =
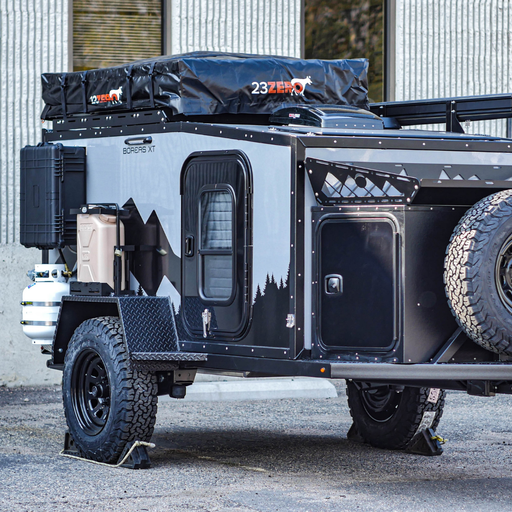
{"x": 478, "y": 272}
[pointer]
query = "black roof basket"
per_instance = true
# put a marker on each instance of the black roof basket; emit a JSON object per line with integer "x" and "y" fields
{"x": 451, "y": 111}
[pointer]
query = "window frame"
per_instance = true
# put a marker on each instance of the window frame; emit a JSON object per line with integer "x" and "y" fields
{"x": 220, "y": 187}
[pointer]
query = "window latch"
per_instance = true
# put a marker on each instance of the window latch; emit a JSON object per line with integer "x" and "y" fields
{"x": 207, "y": 318}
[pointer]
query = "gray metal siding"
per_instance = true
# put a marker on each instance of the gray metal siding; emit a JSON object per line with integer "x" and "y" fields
{"x": 454, "y": 48}
{"x": 246, "y": 26}
{"x": 33, "y": 40}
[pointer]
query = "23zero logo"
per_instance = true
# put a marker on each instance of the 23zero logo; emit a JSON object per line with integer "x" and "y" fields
{"x": 295, "y": 87}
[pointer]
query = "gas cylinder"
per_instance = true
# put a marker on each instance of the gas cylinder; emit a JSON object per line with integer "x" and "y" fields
{"x": 41, "y": 302}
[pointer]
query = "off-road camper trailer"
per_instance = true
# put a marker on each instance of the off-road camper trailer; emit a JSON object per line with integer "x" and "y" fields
{"x": 254, "y": 214}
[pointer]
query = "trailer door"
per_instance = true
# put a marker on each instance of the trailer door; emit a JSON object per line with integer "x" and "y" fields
{"x": 216, "y": 245}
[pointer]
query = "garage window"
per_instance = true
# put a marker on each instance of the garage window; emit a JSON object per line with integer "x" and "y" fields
{"x": 112, "y": 32}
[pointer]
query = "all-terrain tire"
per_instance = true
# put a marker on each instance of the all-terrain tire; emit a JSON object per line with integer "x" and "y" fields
{"x": 478, "y": 273}
{"x": 107, "y": 403}
{"x": 387, "y": 418}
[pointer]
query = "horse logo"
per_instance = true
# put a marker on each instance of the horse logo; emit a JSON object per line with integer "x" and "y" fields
{"x": 115, "y": 95}
{"x": 299, "y": 85}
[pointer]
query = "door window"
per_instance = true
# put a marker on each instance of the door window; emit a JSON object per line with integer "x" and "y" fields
{"x": 216, "y": 251}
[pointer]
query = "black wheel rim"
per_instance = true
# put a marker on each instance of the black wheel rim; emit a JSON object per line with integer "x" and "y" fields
{"x": 504, "y": 274}
{"x": 90, "y": 392}
{"x": 380, "y": 403}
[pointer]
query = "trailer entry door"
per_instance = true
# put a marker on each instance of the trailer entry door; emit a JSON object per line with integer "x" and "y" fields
{"x": 216, "y": 245}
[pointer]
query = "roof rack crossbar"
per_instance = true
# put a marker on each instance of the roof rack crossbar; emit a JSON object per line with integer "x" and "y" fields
{"x": 451, "y": 111}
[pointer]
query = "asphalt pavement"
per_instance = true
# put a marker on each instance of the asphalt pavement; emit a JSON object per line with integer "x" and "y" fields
{"x": 285, "y": 455}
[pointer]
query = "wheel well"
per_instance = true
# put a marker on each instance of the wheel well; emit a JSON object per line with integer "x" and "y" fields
{"x": 71, "y": 315}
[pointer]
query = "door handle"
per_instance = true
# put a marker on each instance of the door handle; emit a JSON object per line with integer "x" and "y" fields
{"x": 136, "y": 141}
{"x": 333, "y": 284}
{"x": 189, "y": 245}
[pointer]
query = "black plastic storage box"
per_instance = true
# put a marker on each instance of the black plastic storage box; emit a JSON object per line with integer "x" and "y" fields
{"x": 52, "y": 182}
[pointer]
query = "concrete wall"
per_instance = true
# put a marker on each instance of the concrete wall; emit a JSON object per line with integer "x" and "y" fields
{"x": 33, "y": 40}
{"x": 454, "y": 48}
{"x": 245, "y": 26}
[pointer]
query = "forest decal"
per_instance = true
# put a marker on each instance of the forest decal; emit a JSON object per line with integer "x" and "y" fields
{"x": 267, "y": 327}
{"x": 154, "y": 259}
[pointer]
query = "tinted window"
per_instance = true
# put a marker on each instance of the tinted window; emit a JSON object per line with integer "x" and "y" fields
{"x": 348, "y": 29}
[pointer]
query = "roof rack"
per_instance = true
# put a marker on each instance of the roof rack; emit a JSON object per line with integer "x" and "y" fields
{"x": 451, "y": 111}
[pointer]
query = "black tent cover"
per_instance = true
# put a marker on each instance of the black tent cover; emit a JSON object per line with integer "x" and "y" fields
{"x": 207, "y": 83}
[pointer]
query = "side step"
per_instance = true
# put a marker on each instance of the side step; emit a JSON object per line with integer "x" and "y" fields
{"x": 162, "y": 361}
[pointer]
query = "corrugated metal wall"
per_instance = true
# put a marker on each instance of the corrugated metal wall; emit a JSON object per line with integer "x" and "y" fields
{"x": 34, "y": 36}
{"x": 247, "y": 26}
{"x": 454, "y": 48}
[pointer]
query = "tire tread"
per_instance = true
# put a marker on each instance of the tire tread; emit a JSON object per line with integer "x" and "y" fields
{"x": 396, "y": 433}
{"x": 465, "y": 255}
{"x": 134, "y": 414}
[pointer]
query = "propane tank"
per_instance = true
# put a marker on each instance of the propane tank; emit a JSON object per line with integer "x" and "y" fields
{"x": 41, "y": 302}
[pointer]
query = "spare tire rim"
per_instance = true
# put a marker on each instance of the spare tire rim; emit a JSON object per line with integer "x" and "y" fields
{"x": 504, "y": 274}
{"x": 90, "y": 392}
{"x": 380, "y": 403}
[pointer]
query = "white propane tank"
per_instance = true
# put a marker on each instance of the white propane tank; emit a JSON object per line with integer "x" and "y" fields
{"x": 41, "y": 302}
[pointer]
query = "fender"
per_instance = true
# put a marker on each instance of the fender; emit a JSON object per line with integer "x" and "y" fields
{"x": 148, "y": 323}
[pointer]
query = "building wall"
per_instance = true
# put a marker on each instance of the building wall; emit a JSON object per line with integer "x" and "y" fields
{"x": 33, "y": 40}
{"x": 245, "y": 26}
{"x": 454, "y": 48}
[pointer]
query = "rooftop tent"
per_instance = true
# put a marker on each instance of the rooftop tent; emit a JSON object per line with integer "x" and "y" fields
{"x": 207, "y": 83}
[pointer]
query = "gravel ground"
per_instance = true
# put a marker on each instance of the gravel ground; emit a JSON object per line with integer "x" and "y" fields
{"x": 280, "y": 455}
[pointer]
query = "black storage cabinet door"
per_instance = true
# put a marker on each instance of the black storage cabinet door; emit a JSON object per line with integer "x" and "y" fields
{"x": 357, "y": 284}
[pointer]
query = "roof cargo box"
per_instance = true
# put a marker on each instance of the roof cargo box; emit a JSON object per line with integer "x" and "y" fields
{"x": 206, "y": 83}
